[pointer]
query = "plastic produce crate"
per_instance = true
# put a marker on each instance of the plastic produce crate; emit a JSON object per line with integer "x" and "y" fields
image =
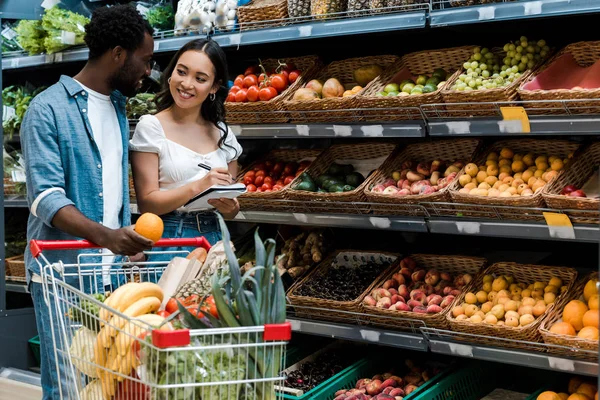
{"x": 34, "y": 344}
{"x": 367, "y": 368}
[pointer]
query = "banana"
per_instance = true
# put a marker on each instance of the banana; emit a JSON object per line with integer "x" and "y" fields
{"x": 146, "y": 289}
{"x": 132, "y": 331}
{"x": 114, "y": 299}
{"x": 142, "y": 306}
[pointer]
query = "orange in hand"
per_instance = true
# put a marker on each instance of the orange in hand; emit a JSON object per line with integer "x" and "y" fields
{"x": 150, "y": 226}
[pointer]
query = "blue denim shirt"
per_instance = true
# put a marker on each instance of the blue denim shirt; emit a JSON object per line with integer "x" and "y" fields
{"x": 64, "y": 166}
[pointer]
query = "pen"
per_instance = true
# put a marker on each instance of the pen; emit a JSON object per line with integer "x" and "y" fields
{"x": 206, "y": 167}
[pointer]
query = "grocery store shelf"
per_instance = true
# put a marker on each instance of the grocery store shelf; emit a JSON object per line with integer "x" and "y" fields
{"x": 360, "y": 334}
{"x": 315, "y": 131}
{"x": 509, "y": 229}
{"x": 508, "y": 11}
{"x": 15, "y": 202}
{"x": 16, "y": 287}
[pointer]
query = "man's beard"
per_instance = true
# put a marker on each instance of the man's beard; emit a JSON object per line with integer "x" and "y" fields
{"x": 124, "y": 80}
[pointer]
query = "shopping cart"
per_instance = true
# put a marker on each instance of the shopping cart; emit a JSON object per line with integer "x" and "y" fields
{"x": 105, "y": 354}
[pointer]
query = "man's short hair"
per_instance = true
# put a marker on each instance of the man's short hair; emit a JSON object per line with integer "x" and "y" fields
{"x": 120, "y": 25}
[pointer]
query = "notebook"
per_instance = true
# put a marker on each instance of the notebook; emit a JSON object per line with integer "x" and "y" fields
{"x": 200, "y": 201}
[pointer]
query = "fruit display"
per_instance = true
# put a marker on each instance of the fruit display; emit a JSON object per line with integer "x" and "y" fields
{"x": 580, "y": 316}
{"x": 486, "y": 69}
{"x": 510, "y": 174}
{"x": 204, "y": 15}
{"x": 303, "y": 251}
{"x": 503, "y": 300}
{"x": 258, "y": 84}
{"x": 332, "y": 87}
{"x": 272, "y": 175}
{"x": 400, "y": 381}
{"x": 419, "y": 178}
{"x": 338, "y": 178}
{"x": 578, "y": 388}
{"x": 421, "y": 84}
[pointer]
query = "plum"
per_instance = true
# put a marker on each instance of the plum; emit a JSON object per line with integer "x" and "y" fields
{"x": 432, "y": 277}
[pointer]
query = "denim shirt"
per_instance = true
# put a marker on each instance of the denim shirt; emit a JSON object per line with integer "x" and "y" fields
{"x": 64, "y": 167}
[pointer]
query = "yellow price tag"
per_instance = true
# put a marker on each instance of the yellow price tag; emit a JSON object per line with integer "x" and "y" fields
{"x": 559, "y": 225}
{"x": 516, "y": 114}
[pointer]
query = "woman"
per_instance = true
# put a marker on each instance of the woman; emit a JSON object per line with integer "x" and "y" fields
{"x": 189, "y": 129}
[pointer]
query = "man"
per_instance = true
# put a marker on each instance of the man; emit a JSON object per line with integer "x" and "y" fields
{"x": 74, "y": 139}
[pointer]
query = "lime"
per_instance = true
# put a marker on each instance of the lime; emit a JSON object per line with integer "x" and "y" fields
{"x": 422, "y": 79}
{"x": 391, "y": 87}
{"x": 408, "y": 87}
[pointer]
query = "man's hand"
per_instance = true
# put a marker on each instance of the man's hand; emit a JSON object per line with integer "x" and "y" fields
{"x": 125, "y": 241}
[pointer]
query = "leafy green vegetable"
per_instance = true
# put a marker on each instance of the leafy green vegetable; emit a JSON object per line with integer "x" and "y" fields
{"x": 31, "y": 36}
{"x": 161, "y": 17}
{"x": 87, "y": 313}
{"x": 17, "y": 97}
{"x": 141, "y": 104}
{"x": 63, "y": 28}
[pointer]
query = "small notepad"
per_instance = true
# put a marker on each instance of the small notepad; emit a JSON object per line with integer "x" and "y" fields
{"x": 200, "y": 202}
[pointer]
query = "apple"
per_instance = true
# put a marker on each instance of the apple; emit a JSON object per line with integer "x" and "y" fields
{"x": 568, "y": 189}
{"x": 577, "y": 193}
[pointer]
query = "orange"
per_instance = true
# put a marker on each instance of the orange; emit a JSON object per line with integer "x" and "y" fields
{"x": 589, "y": 332}
{"x": 593, "y": 302}
{"x": 548, "y": 396}
{"x": 590, "y": 318}
{"x": 563, "y": 396}
{"x": 573, "y": 313}
{"x": 588, "y": 389}
{"x": 590, "y": 289}
{"x": 150, "y": 226}
{"x": 579, "y": 396}
{"x": 563, "y": 328}
{"x": 574, "y": 383}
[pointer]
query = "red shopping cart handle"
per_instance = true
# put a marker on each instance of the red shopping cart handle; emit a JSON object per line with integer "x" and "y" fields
{"x": 37, "y": 246}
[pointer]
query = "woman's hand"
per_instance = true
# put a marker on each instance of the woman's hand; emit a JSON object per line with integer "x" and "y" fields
{"x": 227, "y": 207}
{"x": 216, "y": 176}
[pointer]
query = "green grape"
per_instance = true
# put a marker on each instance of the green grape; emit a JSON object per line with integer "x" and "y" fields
{"x": 524, "y": 44}
{"x": 477, "y": 56}
{"x": 472, "y": 83}
{"x": 489, "y": 56}
{"x": 512, "y": 47}
{"x": 505, "y": 48}
{"x": 477, "y": 50}
{"x": 530, "y": 57}
{"x": 468, "y": 89}
{"x": 478, "y": 71}
{"x": 515, "y": 69}
{"x": 474, "y": 64}
{"x": 541, "y": 43}
{"x": 530, "y": 64}
{"x": 504, "y": 68}
{"x": 546, "y": 48}
{"x": 523, "y": 39}
{"x": 537, "y": 48}
{"x": 503, "y": 74}
{"x": 507, "y": 60}
{"x": 519, "y": 49}
{"x": 522, "y": 67}
{"x": 483, "y": 66}
{"x": 530, "y": 49}
{"x": 496, "y": 68}
{"x": 515, "y": 61}
{"x": 467, "y": 65}
{"x": 479, "y": 81}
{"x": 511, "y": 54}
{"x": 543, "y": 53}
{"x": 485, "y": 74}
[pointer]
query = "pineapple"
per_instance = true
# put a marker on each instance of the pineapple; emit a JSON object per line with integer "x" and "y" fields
{"x": 298, "y": 8}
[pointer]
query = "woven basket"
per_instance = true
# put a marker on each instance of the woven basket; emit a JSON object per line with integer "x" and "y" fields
{"x": 364, "y": 156}
{"x": 9, "y": 187}
{"x": 451, "y": 264}
{"x": 573, "y": 342}
{"x": 559, "y": 148}
{"x": 522, "y": 274}
{"x": 264, "y": 112}
{"x": 451, "y": 150}
{"x": 410, "y": 65}
{"x": 462, "y": 3}
{"x": 272, "y": 200}
{"x": 585, "y": 54}
{"x": 328, "y": 308}
{"x": 15, "y": 269}
{"x": 344, "y": 72}
{"x": 577, "y": 173}
{"x": 260, "y": 14}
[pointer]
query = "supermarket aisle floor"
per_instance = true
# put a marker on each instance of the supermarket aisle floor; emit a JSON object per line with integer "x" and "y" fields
{"x": 13, "y": 390}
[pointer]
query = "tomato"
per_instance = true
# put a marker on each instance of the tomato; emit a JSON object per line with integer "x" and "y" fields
{"x": 171, "y": 306}
{"x": 231, "y": 97}
{"x": 294, "y": 75}
{"x": 278, "y": 167}
{"x": 266, "y": 186}
{"x": 136, "y": 346}
{"x": 262, "y": 77}
{"x": 268, "y": 165}
{"x": 251, "y": 188}
{"x": 278, "y": 82}
{"x": 267, "y": 93}
{"x": 268, "y": 180}
{"x": 234, "y": 89}
{"x": 192, "y": 299}
{"x": 288, "y": 180}
{"x": 250, "y": 173}
{"x": 259, "y": 166}
{"x": 194, "y": 311}
{"x": 252, "y": 93}
{"x": 277, "y": 187}
{"x": 209, "y": 306}
{"x": 250, "y": 80}
{"x": 279, "y": 182}
{"x": 241, "y": 96}
{"x": 261, "y": 172}
{"x": 259, "y": 180}
{"x": 164, "y": 313}
{"x": 289, "y": 169}
{"x": 251, "y": 70}
{"x": 267, "y": 191}
{"x": 259, "y": 190}
{"x": 286, "y": 75}
{"x": 239, "y": 81}
{"x": 248, "y": 180}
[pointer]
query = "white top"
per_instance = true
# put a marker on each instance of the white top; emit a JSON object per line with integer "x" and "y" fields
{"x": 177, "y": 164}
{"x": 107, "y": 135}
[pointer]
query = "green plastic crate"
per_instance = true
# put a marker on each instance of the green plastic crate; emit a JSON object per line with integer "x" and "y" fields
{"x": 34, "y": 344}
{"x": 365, "y": 369}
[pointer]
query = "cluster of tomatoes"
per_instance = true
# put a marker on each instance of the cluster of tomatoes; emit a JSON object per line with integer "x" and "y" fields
{"x": 272, "y": 176}
{"x": 256, "y": 86}
{"x": 193, "y": 304}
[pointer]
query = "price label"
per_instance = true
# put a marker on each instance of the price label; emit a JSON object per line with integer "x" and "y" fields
{"x": 7, "y": 113}
{"x": 9, "y": 33}
{"x": 46, "y": 4}
{"x": 559, "y": 225}
{"x": 18, "y": 176}
{"x": 14, "y": 62}
{"x": 516, "y": 114}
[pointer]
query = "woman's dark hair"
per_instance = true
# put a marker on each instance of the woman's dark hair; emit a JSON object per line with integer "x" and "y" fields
{"x": 211, "y": 110}
{"x": 121, "y": 25}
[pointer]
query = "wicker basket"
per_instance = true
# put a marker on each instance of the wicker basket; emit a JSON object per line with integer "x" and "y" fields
{"x": 573, "y": 342}
{"x": 399, "y": 319}
{"x": 577, "y": 173}
{"x": 9, "y": 187}
{"x": 260, "y": 14}
{"x": 462, "y": 3}
{"x": 522, "y": 274}
{"x": 15, "y": 269}
{"x": 410, "y": 65}
{"x": 272, "y": 200}
{"x": 365, "y": 157}
{"x": 344, "y": 72}
{"x": 559, "y": 148}
{"x": 585, "y": 55}
{"x": 328, "y": 309}
{"x": 451, "y": 150}
{"x": 265, "y": 112}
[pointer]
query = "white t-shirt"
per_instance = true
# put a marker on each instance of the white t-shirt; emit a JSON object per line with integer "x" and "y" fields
{"x": 107, "y": 135}
{"x": 177, "y": 164}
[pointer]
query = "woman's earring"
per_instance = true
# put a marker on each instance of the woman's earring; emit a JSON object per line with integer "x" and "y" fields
{"x": 169, "y": 81}
{"x": 212, "y": 96}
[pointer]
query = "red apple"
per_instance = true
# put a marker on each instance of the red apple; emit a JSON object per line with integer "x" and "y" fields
{"x": 568, "y": 189}
{"x": 577, "y": 193}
